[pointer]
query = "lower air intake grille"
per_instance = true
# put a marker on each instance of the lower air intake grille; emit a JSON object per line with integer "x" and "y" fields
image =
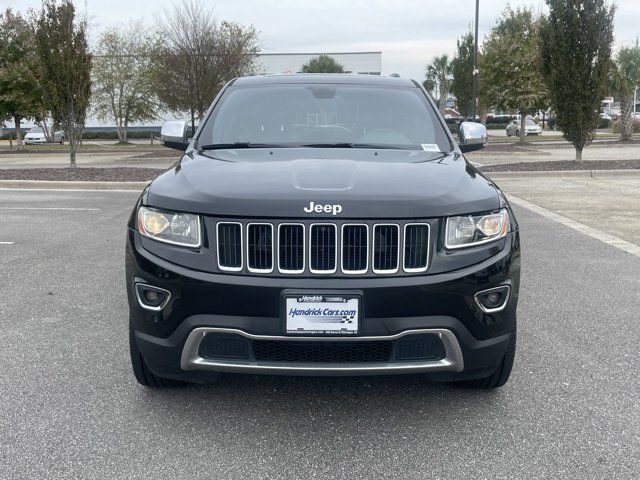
{"x": 322, "y": 352}
{"x": 385, "y": 248}
{"x": 354, "y": 248}
{"x": 291, "y": 248}
{"x": 416, "y": 247}
{"x": 260, "y": 247}
{"x": 420, "y": 347}
{"x": 224, "y": 346}
{"x": 230, "y": 246}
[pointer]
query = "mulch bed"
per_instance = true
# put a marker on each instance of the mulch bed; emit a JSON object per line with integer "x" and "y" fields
{"x": 564, "y": 165}
{"x": 120, "y": 174}
{"x": 160, "y": 153}
{"x": 512, "y": 148}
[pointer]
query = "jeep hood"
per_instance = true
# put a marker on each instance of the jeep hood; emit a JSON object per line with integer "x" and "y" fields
{"x": 282, "y": 182}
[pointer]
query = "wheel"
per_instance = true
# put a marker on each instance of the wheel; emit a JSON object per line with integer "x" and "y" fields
{"x": 61, "y": 140}
{"x": 508, "y": 133}
{"x": 143, "y": 375}
{"x": 517, "y": 133}
{"x": 501, "y": 375}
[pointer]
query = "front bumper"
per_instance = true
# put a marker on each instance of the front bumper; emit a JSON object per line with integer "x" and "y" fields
{"x": 393, "y": 309}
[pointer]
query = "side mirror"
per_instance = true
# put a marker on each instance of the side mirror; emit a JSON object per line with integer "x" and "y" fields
{"x": 174, "y": 135}
{"x": 473, "y": 136}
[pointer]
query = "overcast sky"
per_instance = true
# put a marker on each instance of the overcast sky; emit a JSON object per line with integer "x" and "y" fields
{"x": 408, "y": 32}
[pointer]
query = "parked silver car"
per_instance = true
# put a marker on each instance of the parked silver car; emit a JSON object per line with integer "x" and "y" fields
{"x": 36, "y": 136}
{"x": 531, "y": 128}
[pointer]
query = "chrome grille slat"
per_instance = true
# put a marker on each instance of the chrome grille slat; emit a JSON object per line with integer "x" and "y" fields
{"x": 260, "y": 247}
{"x": 291, "y": 248}
{"x": 416, "y": 247}
{"x": 385, "y": 248}
{"x": 229, "y": 246}
{"x": 355, "y": 248}
{"x": 323, "y": 251}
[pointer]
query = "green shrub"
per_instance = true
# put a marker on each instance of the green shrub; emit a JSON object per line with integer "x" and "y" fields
{"x": 604, "y": 123}
{"x": 113, "y": 135}
{"x": 506, "y": 119}
{"x": 636, "y": 126}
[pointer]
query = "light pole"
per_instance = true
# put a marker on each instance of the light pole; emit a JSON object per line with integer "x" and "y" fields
{"x": 474, "y": 95}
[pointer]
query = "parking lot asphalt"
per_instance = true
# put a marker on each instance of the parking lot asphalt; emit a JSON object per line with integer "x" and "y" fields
{"x": 70, "y": 408}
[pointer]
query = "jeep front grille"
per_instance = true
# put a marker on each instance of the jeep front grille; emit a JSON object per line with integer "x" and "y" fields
{"x": 323, "y": 248}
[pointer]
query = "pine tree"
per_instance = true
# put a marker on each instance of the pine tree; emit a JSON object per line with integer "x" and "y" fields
{"x": 576, "y": 52}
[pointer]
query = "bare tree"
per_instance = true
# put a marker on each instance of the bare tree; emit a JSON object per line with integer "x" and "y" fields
{"x": 195, "y": 56}
{"x": 122, "y": 87}
{"x": 66, "y": 68}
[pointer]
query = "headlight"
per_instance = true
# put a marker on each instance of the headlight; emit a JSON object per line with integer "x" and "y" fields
{"x": 176, "y": 228}
{"x": 476, "y": 230}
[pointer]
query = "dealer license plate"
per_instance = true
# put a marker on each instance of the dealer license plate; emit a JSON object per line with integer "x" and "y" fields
{"x": 322, "y": 314}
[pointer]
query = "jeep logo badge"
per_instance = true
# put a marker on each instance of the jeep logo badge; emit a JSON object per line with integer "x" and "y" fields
{"x": 332, "y": 209}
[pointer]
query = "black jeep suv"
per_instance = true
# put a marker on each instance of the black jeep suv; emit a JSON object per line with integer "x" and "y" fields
{"x": 323, "y": 225}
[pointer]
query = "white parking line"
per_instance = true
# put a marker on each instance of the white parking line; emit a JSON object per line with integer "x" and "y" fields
{"x": 53, "y": 208}
{"x": 7, "y": 243}
{"x": 122, "y": 190}
{"x": 580, "y": 227}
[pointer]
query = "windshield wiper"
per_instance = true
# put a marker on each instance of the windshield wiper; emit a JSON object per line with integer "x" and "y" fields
{"x": 231, "y": 146}
{"x": 375, "y": 146}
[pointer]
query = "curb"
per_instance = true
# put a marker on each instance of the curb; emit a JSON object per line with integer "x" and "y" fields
{"x": 72, "y": 185}
{"x": 564, "y": 174}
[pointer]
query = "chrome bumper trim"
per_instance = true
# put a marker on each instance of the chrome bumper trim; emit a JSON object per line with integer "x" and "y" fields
{"x": 190, "y": 360}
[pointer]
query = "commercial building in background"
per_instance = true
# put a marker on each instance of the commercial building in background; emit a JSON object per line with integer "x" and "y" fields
{"x": 369, "y": 63}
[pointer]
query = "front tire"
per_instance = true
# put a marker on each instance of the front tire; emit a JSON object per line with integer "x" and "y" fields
{"x": 143, "y": 375}
{"x": 502, "y": 373}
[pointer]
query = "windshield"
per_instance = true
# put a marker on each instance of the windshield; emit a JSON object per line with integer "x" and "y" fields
{"x": 36, "y": 129}
{"x": 325, "y": 115}
{"x": 528, "y": 122}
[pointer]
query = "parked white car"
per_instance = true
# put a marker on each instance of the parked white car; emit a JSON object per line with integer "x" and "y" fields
{"x": 531, "y": 128}
{"x": 36, "y": 136}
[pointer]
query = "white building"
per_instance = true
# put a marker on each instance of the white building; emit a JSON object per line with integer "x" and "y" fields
{"x": 352, "y": 62}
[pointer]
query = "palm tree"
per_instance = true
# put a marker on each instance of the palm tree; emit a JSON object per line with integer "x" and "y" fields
{"x": 439, "y": 72}
{"x": 625, "y": 78}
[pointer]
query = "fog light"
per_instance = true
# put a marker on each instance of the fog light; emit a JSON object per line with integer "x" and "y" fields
{"x": 494, "y": 299}
{"x": 151, "y": 298}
